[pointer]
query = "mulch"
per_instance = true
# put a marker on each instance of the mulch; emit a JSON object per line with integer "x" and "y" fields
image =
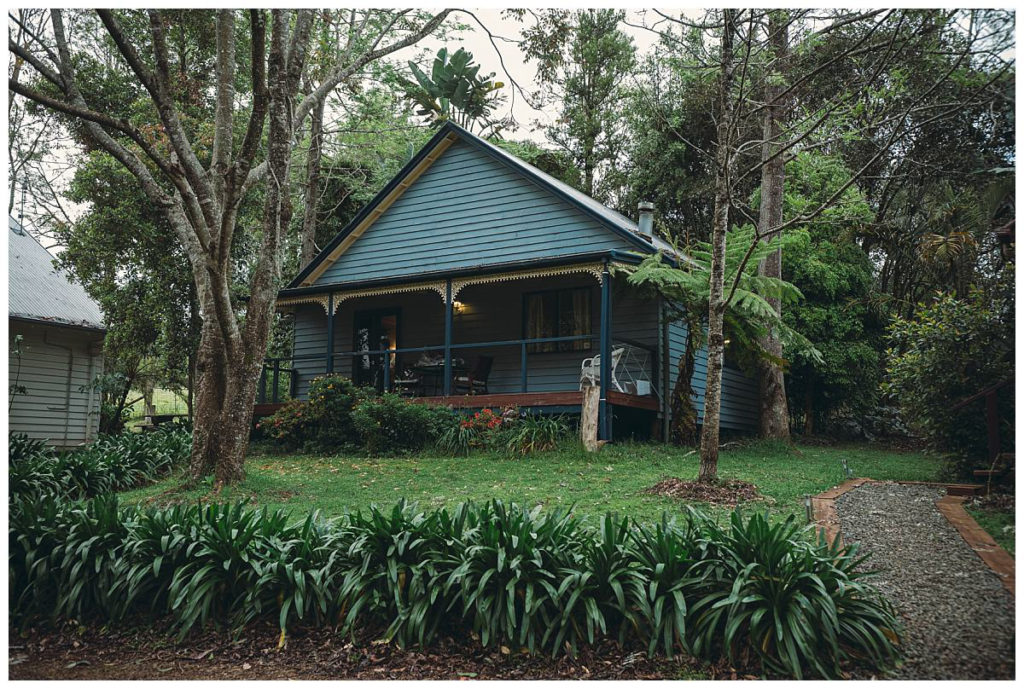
{"x": 723, "y": 493}
{"x": 150, "y": 653}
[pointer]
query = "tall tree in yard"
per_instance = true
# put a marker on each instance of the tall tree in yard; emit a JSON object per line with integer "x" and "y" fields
{"x": 197, "y": 174}
{"x": 583, "y": 59}
{"x": 879, "y": 113}
{"x": 774, "y": 417}
{"x": 724, "y": 162}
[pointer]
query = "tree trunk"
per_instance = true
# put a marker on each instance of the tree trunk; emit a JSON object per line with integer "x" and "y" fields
{"x": 774, "y": 418}
{"x": 684, "y": 413}
{"x": 716, "y": 300}
{"x": 309, "y": 217}
{"x": 809, "y": 407}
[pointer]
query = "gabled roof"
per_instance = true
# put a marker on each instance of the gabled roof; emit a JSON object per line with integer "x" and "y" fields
{"x": 37, "y": 291}
{"x": 448, "y": 133}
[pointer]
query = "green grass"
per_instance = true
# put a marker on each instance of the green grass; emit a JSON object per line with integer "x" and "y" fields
{"x": 165, "y": 401}
{"x": 609, "y": 480}
{"x": 1000, "y": 524}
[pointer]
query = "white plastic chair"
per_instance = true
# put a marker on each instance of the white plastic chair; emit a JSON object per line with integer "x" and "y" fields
{"x": 590, "y": 369}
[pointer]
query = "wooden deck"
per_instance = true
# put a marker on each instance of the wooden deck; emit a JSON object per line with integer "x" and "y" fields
{"x": 572, "y": 398}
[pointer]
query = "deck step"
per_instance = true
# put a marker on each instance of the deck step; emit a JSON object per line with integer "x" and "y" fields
{"x": 966, "y": 489}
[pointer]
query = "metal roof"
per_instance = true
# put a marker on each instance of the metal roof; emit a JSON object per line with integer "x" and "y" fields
{"x": 38, "y": 291}
{"x": 611, "y": 219}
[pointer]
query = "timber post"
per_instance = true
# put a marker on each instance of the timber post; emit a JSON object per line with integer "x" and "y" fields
{"x": 448, "y": 306}
{"x": 330, "y": 333}
{"x": 604, "y": 412}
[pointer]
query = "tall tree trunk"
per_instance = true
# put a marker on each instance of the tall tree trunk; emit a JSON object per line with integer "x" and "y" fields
{"x": 684, "y": 414}
{"x": 309, "y": 216}
{"x": 716, "y": 300}
{"x": 809, "y": 407}
{"x": 774, "y": 421}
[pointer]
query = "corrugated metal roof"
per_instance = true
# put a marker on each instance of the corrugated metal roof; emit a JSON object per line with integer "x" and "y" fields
{"x": 38, "y": 291}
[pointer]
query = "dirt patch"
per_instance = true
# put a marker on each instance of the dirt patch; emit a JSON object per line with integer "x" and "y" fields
{"x": 148, "y": 653}
{"x": 724, "y": 493}
{"x": 1003, "y": 502}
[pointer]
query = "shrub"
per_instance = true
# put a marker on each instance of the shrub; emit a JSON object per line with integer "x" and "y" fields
{"x": 110, "y": 463}
{"x": 793, "y": 603}
{"x": 324, "y": 422}
{"x": 507, "y": 433}
{"x": 290, "y": 426}
{"x": 532, "y": 433}
{"x": 947, "y": 352}
{"x": 390, "y": 424}
{"x": 749, "y": 591}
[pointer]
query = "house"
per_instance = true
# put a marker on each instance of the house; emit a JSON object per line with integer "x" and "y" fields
{"x": 474, "y": 279}
{"x": 55, "y": 348}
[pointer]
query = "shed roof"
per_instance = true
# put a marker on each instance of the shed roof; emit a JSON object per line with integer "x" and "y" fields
{"x": 40, "y": 292}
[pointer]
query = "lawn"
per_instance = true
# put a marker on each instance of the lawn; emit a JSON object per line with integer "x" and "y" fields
{"x": 609, "y": 480}
{"x": 999, "y": 523}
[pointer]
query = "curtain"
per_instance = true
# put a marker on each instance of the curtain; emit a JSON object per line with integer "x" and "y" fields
{"x": 581, "y": 317}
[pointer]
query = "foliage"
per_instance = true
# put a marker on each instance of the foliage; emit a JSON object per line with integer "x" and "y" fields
{"x": 797, "y": 605}
{"x": 837, "y": 314}
{"x": 323, "y": 422}
{"x": 509, "y": 433}
{"x": 390, "y": 424}
{"x": 516, "y": 578}
{"x": 110, "y": 463}
{"x": 949, "y": 351}
{"x": 583, "y": 59}
{"x": 455, "y": 91}
{"x": 532, "y": 433}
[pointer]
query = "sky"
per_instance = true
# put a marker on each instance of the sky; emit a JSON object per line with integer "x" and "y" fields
{"x": 502, "y": 56}
{"x": 511, "y": 62}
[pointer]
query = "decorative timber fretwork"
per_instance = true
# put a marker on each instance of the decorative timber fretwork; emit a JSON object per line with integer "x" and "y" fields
{"x": 439, "y": 287}
{"x": 589, "y": 268}
{"x": 320, "y": 299}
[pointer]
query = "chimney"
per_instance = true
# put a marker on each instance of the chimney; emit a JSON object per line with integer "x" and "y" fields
{"x": 646, "y": 221}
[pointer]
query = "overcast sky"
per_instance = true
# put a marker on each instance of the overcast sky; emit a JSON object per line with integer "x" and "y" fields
{"x": 476, "y": 41}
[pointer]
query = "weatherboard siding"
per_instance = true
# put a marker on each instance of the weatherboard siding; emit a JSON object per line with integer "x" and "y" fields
{"x": 468, "y": 210}
{"x": 490, "y": 313}
{"x": 55, "y": 366}
{"x": 739, "y": 409}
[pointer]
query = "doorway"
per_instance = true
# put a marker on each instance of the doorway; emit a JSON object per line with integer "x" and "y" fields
{"x": 374, "y": 330}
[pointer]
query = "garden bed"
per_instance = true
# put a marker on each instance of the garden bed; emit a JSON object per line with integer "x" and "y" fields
{"x": 147, "y": 654}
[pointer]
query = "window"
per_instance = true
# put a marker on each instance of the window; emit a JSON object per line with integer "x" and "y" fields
{"x": 557, "y": 313}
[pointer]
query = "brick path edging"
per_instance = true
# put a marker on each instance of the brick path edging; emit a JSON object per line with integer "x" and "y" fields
{"x": 823, "y": 508}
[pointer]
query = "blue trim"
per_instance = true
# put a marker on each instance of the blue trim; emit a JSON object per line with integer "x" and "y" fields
{"x": 330, "y": 333}
{"x": 494, "y": 152}
{"x": 448, "y": 317}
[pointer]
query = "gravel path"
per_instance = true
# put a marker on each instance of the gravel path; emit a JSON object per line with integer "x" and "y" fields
{"x": 959, "y": 620}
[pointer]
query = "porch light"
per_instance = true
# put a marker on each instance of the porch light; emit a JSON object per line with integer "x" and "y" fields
{"x": 457, "y": 306}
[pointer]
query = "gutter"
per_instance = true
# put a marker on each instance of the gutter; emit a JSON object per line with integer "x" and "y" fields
{"x": 613, "y": 254}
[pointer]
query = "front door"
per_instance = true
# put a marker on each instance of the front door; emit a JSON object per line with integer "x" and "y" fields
{"x": 374, "y": 331}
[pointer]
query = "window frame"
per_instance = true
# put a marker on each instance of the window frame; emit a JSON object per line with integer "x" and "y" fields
{"x": 558, "y": 347}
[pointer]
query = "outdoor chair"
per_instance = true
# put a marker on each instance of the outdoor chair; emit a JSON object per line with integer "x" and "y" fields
{"x": 590, "y": 370}
{"x": 474, "y": 382}
{"x": 408, "y": 384}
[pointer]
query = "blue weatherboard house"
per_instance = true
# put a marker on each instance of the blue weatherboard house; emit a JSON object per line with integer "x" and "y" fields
{"x": 475, "y": 280}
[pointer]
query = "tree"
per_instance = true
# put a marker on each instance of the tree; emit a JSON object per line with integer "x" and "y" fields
{"x": 198, "y": 177}
{"x": 774, "y": 416}
{"x": 583, "y": 59}
{"x": 746, "y": 317}
{"x": 878, "y": 105}
{"x": 454, "y": 91}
